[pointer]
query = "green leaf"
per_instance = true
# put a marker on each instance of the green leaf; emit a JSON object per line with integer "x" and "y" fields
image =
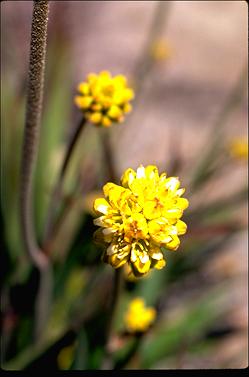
{"x": 12, "y": 120}
{"x": 82, "y": 353}
{"x": 152, "y": 286}
{"x": 194, "y": 320}
{"x": 55, "y": 122}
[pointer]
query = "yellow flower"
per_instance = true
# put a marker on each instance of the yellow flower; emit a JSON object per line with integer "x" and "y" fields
{"x": 104, "y": 99}
{"x": 239, "y": 148}
{"x": 139, "y": 318}
{"x": 138, "y": 218}
{"x": 160, "y": 50}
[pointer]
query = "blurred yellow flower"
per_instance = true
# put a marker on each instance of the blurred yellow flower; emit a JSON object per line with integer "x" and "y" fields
{"x": 104, "y": 99}
{"x": 65, "y": 357}
{"x": 138, "y": 317}
{"x": 139, "y": 217}
{"x": 160, "y": 50}
{"x": 238, "y": 148}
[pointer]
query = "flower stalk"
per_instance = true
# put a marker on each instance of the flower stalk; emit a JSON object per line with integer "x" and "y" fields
{"x": 233, "y": 101}
{"x": 116, "y": 291}
{"x": 29, "y": 154}
{"x": 120, "y": 364}
{"x": 117, "y": 286}
{"x": 56, "y": 194}
{"x": 108, "y": 156}
{"x": 146, "y": 61}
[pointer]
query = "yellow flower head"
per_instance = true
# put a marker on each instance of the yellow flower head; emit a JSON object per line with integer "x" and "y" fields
{"x": 138, "y": 318}
{"x": 239, "y": 148}
{"x": 139, "y": 217}
{"x": 104, "y": 99}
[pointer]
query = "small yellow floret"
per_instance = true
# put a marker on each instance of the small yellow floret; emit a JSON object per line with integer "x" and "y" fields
{"x": 95, "y": 117}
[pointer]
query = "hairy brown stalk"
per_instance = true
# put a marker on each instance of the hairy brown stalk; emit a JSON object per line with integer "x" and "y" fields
{"x": 29, "y": 154}
{"x": 32, "y": 128}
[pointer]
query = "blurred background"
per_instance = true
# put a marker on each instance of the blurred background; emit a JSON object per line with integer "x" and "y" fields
{"x": 187, "y": 62}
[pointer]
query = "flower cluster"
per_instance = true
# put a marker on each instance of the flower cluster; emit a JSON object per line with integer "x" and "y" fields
{"x": 139, "y": 217}
{"x": 138, "y": 317}
{"x": 104, "y": 99}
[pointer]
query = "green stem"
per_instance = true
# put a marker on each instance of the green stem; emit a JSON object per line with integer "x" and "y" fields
{"x": 234, "y": 99}
{"x": 56, "y": 194}
{"x": 29, "y": 154}
{"x": 43, "y": 301}
{"x": 117, "y": 286}
{"x": 131, "y": 352}
{"x": 108, "y": 155}
{"x": 146, "y": 61}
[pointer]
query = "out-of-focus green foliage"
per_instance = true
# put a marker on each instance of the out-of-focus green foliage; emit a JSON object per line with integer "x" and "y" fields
{"x": 55, "y": 127}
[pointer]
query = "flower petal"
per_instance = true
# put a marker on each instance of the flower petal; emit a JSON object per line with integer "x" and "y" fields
{"x": 140, "y": 172}
{"x": 160, "y": 264}
{"x": 101, "y": 206}
{"x": 182, "y": 203}
{"x": 100, "y": 221}
{"x": 127, "y": 178}
{"x": 116, "y": 262}
{"x": 181, "y": 227}
{"x": 174, "y": 244}
{"x": 140, "y": 268}
{"x": 172, "y": 183}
